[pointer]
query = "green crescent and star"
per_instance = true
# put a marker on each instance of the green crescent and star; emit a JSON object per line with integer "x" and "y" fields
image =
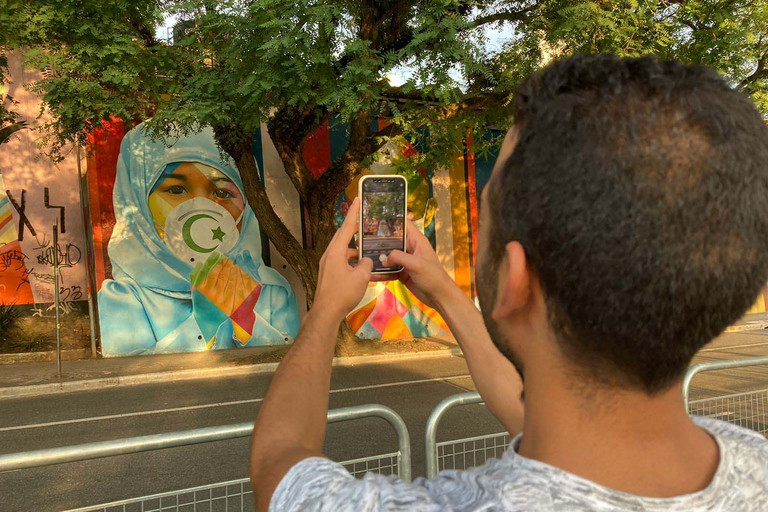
{"x": 217, "y": 234}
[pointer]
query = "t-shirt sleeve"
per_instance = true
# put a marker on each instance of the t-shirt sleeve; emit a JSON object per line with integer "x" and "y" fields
{"x": 320, "y": 485}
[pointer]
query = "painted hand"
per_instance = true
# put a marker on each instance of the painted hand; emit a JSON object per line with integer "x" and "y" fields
{"x": 220, "y": 291}
{"x": 422, "y": 273}
{"x": 340, "y": 286}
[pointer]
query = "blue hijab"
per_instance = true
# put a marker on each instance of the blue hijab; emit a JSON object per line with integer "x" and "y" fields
{"x": 136, "y": 249}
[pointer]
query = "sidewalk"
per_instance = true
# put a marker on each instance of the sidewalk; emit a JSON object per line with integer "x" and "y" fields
{"x": 750, "y": 322}
{"x": 30, "y": 379}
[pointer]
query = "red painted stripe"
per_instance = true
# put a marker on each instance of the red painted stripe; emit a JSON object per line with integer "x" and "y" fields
{"x": 5, "y": 221}
{"x": 317, "y": 150}
{"x": 408, "y": 151}
{"x": 101, "y": 168}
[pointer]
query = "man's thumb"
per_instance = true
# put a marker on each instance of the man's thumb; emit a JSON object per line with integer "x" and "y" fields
{"x": 364, "y": 265}
{"x": 400, "y": 259}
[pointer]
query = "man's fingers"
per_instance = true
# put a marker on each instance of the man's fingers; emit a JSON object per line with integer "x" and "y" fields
{"x": 352, "y": 254}
{"x": 401, "y": 259}
{"x": 414, "y": 237}
{"x": 365, "y": 266}
{"x": 349, "y": 227}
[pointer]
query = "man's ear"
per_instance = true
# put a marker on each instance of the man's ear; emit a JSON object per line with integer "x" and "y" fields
{"x": 514, "y": 290}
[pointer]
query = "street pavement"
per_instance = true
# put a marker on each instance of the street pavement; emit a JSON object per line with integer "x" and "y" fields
{"x": 411, "y": 387}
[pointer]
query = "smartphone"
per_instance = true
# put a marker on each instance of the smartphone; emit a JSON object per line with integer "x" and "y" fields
{"x": 382, "y": 218}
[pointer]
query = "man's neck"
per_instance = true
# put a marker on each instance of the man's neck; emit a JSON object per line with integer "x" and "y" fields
{"x": 623, "y": 440}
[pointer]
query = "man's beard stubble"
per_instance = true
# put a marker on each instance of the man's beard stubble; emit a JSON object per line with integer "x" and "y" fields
{"x": 487, "y": 272}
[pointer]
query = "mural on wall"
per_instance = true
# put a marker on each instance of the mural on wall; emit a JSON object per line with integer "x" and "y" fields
{"x": 35, "y": 194}
{"x": 187, "y": 272}
{"x": 389, "y": 310}
{"x": 180, "y": 262}
{"x": 14, "y": 276}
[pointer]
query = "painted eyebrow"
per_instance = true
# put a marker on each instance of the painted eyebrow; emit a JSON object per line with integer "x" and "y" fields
{"x": 179, "y": 177}
{"x": 221, "y": 178}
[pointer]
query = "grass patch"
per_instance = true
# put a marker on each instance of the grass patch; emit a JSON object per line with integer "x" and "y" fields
{"x": 26, "y": 334}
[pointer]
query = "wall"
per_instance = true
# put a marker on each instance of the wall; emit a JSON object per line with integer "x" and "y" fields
{"x": 149, "y": 300}
{"x": 35, "y": 194}
{"x": 135, "y": 272}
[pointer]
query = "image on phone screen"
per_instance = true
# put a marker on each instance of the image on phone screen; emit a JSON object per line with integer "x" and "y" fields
{"x": 383, "y": 219}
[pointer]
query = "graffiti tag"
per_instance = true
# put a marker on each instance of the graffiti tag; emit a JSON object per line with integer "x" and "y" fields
{"x": 21, "y": 210}
{"x": 7, "y": 259}
{"x": 69, "y": 256}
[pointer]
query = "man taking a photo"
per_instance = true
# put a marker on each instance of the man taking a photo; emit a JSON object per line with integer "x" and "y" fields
{"x": 624, "y": 227}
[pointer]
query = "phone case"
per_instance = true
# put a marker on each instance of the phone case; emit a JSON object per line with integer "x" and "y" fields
{"x": 360, "y": 217}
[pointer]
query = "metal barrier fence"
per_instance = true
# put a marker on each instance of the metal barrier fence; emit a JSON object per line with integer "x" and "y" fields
{"x": 224, "y": 496}
{"x": 748, "y": 410}
{"x": 459, "y": 453}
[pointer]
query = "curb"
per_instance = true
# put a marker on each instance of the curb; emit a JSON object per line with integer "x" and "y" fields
{"x": 752, "y": 325}
{"x": 202, "y": 373}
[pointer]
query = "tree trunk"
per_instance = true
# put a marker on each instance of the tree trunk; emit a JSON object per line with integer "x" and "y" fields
{"x": 322, "y": 224}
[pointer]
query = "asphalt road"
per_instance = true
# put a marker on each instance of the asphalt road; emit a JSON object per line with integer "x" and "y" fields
{"x": 412, "y": 388}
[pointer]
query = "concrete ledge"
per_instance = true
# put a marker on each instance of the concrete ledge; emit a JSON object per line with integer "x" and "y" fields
{"x": 750, "y": 325}
{"x": 201, "y": 373}
{"x": 45, "y": 357}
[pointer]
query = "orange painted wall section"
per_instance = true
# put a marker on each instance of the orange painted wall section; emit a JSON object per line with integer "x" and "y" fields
{"x": 460, "y": 221}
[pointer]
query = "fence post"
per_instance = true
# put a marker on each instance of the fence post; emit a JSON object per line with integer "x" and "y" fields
{"x": 56, "y": 295}
{"x": 90, "y": 267}
{"x": 394, "y": 419}
{"x": 430, "y": 437}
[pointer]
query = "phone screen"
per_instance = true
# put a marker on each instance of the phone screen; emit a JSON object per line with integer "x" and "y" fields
{"x": 383, "y": 219}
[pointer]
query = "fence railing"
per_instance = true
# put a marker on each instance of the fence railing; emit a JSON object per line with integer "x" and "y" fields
{"x": 232, "y": 495}
{"x": 459, "y": 453}
{"x": 747, "y": 409}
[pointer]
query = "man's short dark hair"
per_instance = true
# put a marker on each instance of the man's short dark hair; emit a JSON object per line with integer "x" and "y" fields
{"x": 639, "y": 190}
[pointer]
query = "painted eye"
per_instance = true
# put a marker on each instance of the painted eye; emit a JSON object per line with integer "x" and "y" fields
{"x": 223, "y": 193}
{"x": 176, "y": 190}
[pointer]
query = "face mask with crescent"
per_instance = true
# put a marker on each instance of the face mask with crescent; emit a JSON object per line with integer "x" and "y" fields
{"x": 198, "y": 227}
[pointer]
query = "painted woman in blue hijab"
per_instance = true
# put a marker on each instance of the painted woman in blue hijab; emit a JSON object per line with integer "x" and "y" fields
{"x": 186, "y": 256}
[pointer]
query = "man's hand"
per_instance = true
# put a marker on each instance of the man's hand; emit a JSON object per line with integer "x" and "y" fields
{"x": 422, "y": 273}
{"x": 340, "y": 286}
{"x": 494, "y": 375}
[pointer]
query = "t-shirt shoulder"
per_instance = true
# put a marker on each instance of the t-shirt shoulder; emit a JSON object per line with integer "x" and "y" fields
{"x": 317, "y": 484}
{"x": 516, "y": 484}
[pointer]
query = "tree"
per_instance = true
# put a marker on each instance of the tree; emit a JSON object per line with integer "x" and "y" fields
{"x": 9, "y": 119}
{"x": 295, "y": 64}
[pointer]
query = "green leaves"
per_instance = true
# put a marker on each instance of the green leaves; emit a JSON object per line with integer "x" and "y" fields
{"x": 239, "y": 61}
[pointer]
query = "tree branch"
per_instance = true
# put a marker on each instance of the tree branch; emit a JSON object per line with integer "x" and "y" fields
{"x": 520, "y": 15}
{"x": 359, "y": 147}
{"x": 759, "y": 73}
{"x": 7, "y": 131}
{"x": 289, "y": 130}
{"x": 239, "y": 147}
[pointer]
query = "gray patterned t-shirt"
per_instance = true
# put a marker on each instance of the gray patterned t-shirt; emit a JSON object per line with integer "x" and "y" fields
{"x": 516, "y": 484}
